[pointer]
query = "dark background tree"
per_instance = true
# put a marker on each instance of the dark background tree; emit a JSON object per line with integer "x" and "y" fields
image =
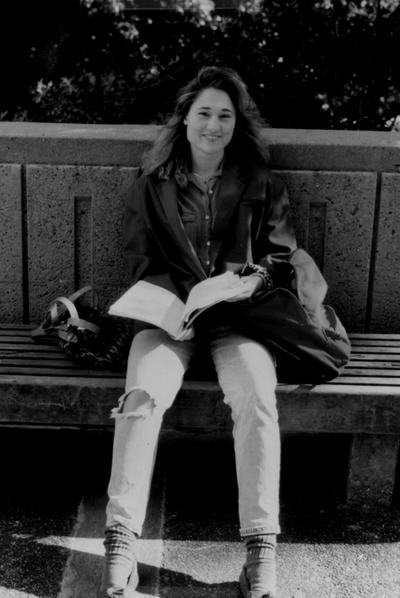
{"x": 308, "y": 64}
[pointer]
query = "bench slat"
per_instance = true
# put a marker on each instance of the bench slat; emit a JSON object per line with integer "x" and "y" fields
{"x": 4, "y": 326}
{"x": 373, "y": 335}
{"x": 33, "y": 346}
{"x": 20, "y": 355}
{"x": 75, "y": 371}
{"x": 375, "y": 343}
{"x": 19, "y": 338}
{"x": 26, "y": 328}
{"x": 353, "y": 371}
{"x": 361, "y": 363}
{"x": 341, "y": 390}
{"x": 376, "y": 350}
{"x": 371, "y": 380}
{"x": 377, "y": 358}
{"x": 29, "y": 344}
{"x": 5, "y": 363}
{"x": 37, "y": 347}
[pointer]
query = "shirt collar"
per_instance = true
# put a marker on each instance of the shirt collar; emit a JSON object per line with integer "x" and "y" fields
{"x": 183, "y": 174}
{"x": 197, "y": 181}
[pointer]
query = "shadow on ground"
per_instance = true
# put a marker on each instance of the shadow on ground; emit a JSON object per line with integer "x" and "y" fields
{"x": 202, "y": 494}
{"x": 45, "y": 474}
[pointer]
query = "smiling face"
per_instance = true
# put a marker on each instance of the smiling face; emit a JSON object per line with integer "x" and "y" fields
{"x": 210, "y": 123}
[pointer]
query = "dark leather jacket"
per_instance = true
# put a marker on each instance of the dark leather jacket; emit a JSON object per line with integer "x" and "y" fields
{"x": 252, "y": 223}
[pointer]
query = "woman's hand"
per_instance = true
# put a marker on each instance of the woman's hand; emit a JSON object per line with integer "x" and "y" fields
{"x": 251, "y": 284}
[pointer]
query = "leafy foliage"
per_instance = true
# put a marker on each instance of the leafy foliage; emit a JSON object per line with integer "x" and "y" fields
{"x": 308, "y": 63}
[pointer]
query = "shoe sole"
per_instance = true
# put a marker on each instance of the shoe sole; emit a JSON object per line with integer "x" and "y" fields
{"x": 128, "y": 592}
{"x": 244, "y": 584}
{"x": 133, "y": 582}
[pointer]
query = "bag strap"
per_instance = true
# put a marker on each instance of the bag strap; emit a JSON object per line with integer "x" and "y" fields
{"x": 54, "y": 312}
{"x": 48, "y": 326}
{"x": 81, "y": 292}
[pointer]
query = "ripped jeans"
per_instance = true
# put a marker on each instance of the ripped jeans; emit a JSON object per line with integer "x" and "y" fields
{"x": 246, "y": 374}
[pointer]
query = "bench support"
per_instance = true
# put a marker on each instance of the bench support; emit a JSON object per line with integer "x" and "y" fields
{"x": 372, "y": 469}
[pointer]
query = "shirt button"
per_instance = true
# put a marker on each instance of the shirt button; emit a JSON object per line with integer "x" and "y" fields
{"x": 208, "y": 262}
{"x": 208, "y": 243}
{"x": 207, "y": 217}
{"x": 210, "y": 191}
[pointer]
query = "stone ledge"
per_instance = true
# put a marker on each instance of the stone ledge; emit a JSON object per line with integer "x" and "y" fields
{"x": 123, "y": 145}
{"x": 87, "y": 402}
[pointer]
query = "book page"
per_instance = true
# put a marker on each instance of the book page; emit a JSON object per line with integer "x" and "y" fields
{"x": 209, "y": 292}
{"x": 150, "y": 303}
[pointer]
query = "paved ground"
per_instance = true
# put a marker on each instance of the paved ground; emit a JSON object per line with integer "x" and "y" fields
{"x": 52, "y": 516}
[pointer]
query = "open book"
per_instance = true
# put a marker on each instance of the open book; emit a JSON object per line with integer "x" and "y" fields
{"x": 153, "y": 304}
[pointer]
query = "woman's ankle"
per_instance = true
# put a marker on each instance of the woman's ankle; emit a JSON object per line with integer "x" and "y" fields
{"x": 259, "y": 545}
{"x": 260, "y": 565}
{"x": 120, "y": 565}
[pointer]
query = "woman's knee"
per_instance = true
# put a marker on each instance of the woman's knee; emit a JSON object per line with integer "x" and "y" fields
{"x": 135, "y": 403}
{"x": 245, "y": 364}
{"x": 247, "y": 375}
{"x": 156, "y": 367}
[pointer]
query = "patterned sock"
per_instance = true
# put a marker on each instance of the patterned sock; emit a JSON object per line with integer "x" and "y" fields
{"x": 120, "y": 561}
{"x": 260, "y": 565}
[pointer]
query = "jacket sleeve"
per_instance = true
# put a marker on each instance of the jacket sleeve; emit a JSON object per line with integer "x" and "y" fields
{"x": 263, "y": 231}
{"x": 141, "y": 252}
{"x": 290, "y": 266}
{"x": 276, "y": 233}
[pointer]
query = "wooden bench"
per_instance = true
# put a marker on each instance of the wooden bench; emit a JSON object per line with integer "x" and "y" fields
{"x": 40, "y": 386}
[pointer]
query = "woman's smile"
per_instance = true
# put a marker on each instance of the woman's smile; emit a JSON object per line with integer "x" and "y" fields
{"x": 212, "y": 137}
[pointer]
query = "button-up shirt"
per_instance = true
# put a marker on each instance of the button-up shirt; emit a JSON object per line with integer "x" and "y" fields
{"x": 197, "y": 202}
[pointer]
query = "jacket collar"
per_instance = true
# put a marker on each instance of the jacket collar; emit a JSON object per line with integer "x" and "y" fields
{"x": 167, "y": 190}
{"x": 231, "y": 189}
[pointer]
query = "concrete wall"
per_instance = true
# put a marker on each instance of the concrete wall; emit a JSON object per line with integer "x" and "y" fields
{"x": 63, "y": 186}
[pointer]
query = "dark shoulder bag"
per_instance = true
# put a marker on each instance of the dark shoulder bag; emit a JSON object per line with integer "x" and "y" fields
{"x": 306, "y": 336}
{"x": 87, "y": 336}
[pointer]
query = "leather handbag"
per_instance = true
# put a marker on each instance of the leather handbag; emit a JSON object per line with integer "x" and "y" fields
{"x": 87, "y": 336}
{"x": 306, "y": 336}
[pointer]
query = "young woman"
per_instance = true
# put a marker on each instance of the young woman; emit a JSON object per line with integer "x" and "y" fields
{"x": 204, "y": 203}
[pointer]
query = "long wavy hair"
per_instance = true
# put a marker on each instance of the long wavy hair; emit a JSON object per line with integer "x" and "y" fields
{"x": 171, "y": 149}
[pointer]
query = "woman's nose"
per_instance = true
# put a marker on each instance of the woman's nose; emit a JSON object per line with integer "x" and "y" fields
{"x": 213, "y": 123}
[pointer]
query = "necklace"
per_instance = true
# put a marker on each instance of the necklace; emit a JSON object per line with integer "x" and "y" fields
{"x": 202, "y": 177}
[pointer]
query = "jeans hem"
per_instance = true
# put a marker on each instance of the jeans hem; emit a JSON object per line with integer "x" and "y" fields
{"x": 119, "y": 520}
{"x": 261, "y": 529}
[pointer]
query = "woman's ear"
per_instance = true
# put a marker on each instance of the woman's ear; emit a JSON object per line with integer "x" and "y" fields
{"x": 185, "y": 121}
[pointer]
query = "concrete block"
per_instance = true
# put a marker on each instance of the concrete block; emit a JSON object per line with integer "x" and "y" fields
{"x": 11, "y": 302}
{"x": 385, "y": 316}
{"x": 372, "y": 469}
{"x": 70, "y": 143}
{"x": 319, "y": 149}
{"x": 74, "y": 231}
{"x": 334, "y": 216}
{"x": 11, "y": 270}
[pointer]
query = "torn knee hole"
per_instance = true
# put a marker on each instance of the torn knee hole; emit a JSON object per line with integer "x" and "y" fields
{"x": 135, "y": 403}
